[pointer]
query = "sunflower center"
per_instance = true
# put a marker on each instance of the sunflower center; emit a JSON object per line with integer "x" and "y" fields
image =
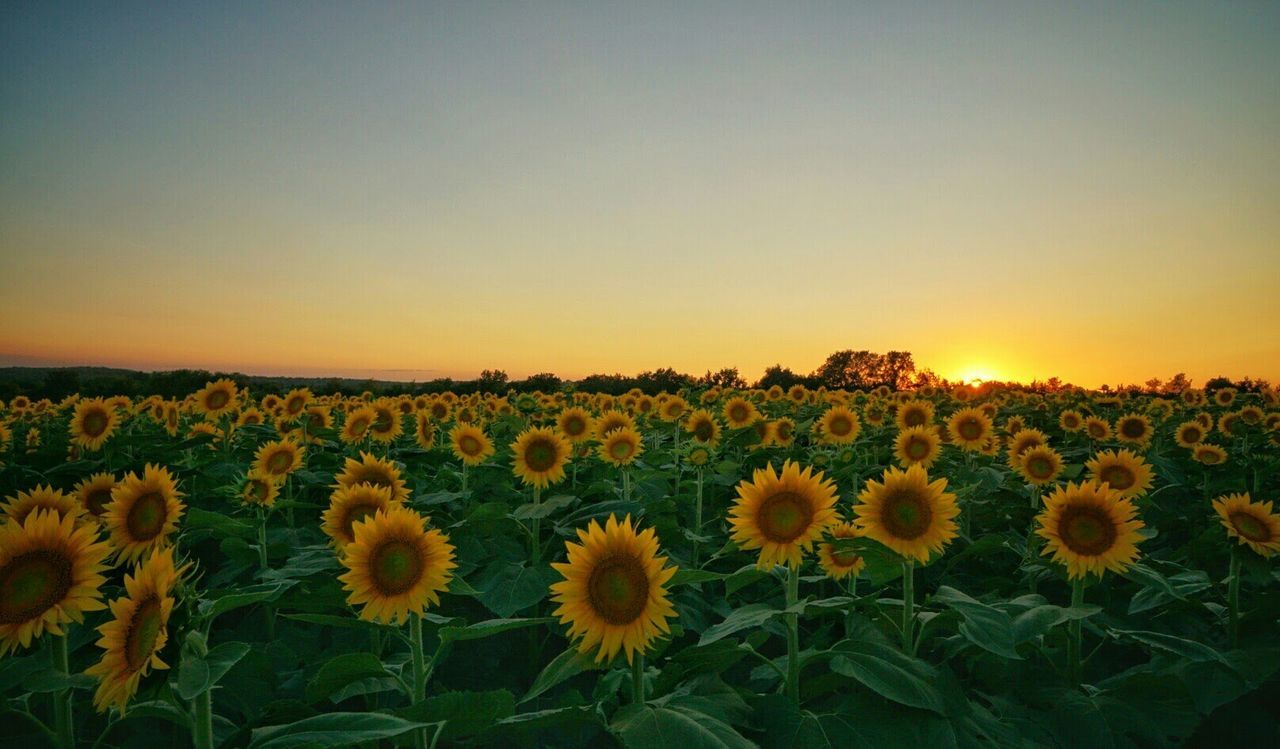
{"x": 280, "y": 462}
{"x": 96, "y": 501}
{"x": 1209, "y": 457}
{"x": 146, "y": 518}
{"x": 258, "y": 490}
{"x": 144, "y": 630}
{"x": 1087, "y": 531}
{"x": 1119, "y": 477}
{"x": 32, "y": 582}
{"x": 395, "y": 567}
{"x": 1039, "y": 466}
{"x": 383, "y": 422}
{"x": 540, "y": 455}
{"x": 1250, "y": 527}
{"x": 620, "y": 450}
{"x": 969, "y": 429}
{"x": 917, "y": 449}
{"x": 217, "y": 399}
{"x": 359, "y": 425}
{"x": 294, "y": 406}
{"x": 618, "y": 589}
{"x": 702, "y": 430}
{"x": 784, "y": 517}
{"x": 95, "y": 423}
{"x": 840, "y": 426}
{"x": 469, "y": 445}
{"x": 913, "y": 418}
{"x": 1191, "y": 434}
{"x": 574, "y": 426}
{"x": 1132, "y": 428}
{"x": 845, "y": 558}
{"x": 906, "y": 514}
{"x": 356, "y": 513}
{"x": 738, "y": 413}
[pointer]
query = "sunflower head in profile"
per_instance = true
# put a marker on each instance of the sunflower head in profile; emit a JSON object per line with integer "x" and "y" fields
{"x": 1124, "y": 471}
{"x": 908, "y": 513}
{"x": 970, "y": 428}
{"x": 358, "y": 424}
{"x": 1097, "y": 428}
{"x": 370, "y": 469}
{"x": 350, "y": 504}
{"x": 1209, "y": 455}
{"x": 278, "y": 459}
{"x": 1134, "y": 429}
{"x": 143, "y": 513}
{"x": 386, "y": 425}
{"x": 260, "y": 489}
{"x": 1040, "y": 465}
{"x": 575, "y": 424}
{"x": 395, "y": 566}
{"x": 1189, "y": 434}
{"x": 703, "y": 427}
{"x": 1071, "y": 421}
{"x": 783, "y": 514}
{"x": 1090, "y": 528}
{"x": 93, "y": 424}
{"x": 539, "y": 456}
{"x": 839, "y": 562}
{"x": 621, "y": 447}
{"x": 917, "y": 445}
{"x": 137, "y": 632}
{"x": 739, "y": 412}
{"x": 50, "y": 574}
{"x": 1252, "y": 524}
{"x": 914, "y": 413}
{"x": 839, "y": 426}
{"x": 217, "y": 399}
{"x": 43, "y": 498}
{"x": 94, "y": 493}
{"x": 250, "y": 416}
{"x": 1014, "y": 424}
{"x": 424, "y": 432}
{"x": 470, "y": 444}
{"x": 613, "y": 596}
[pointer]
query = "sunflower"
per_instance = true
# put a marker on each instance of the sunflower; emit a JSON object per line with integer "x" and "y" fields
{"x": 539, "y": 456}
{"x": 1252, "y": 523}
{"x": 1123, "y": 470}
{"x": 783, "y": 514}
{"x": 43, "y": 498}
{"x": 1224, "y": 396}
{"x": 611, "y": 420}
{"x": 349, "y": 504}
{"x": 216, "y": 399}
{"x": 373, "y": 470}
{"x": 839, "y": 426}
{"x": 357, "y": 425}
{"x": 425, "y": 430}
{"x": 94, "y": 493}
{"x": 673, "y": 408}
{"x": 919, "y": 444}
{"x": 837, "y": 563}
{"x": 1134, "y": 429}
{"x": 907, "y": 513}
{"x": 440, "y": 410}
{"x": 739, "y": 412}
{"x": 93, "y": 423}
{"x": 143, "y": 513}
{"x": 621, "y": 447}
{"x": 470, "y": 444}
{"x": 1071, "y": 421}
{"x": 260, "y": 489}
{"x": 1040, "y": 465}
{"x": 1089, "y": 527}
{"x": 784, "y": 432}
{"x": 133, "y": 638}
{"x": 395, "y": 566}
{"x": 1209, "y": 455}
{"x": 1189, "y": 434}
{"x": 386, "y": 425}
{"x": 575, "y": 424}
{"x": 969, "y": 428}
{"x": 49, "y": 576}
{"x": 698, "y": 455}
{"x": 704, "y": 427}
{"x": 1024, "y": 440}
{"x": 296, "y": 402}
{"x": 914, "y": 413}
{"x": 278, "y": 459}
{"x": 1098, "y": 429}
{"x": 613, "y": 596}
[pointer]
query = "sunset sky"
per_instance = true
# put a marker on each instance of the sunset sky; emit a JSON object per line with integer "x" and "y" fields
{"x": 1016, "y": 190}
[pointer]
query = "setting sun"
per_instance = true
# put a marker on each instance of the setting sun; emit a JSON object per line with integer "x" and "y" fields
{"x": 977, "y": 374}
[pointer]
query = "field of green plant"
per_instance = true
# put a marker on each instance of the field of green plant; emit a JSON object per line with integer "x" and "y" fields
{"x": 713, "y": 568}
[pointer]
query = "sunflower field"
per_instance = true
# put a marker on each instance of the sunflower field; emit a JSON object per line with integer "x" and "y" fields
{"x": 968, "y": 567}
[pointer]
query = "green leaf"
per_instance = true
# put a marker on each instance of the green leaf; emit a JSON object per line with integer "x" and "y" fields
{"x": 332, "y": 730}
{"x": 690, "y": 577}
{"x": 513, "y": 587}
{"x": 218, "y": 525}
{"x": 985, "y": 626}
{"x": 217, "y": 603}
{"x": 563, "y": 667}
{"x": 1179, "y": 646}
{"x": 489, "y": 628}
{"x": 345, "y": 669}
{"x": 648, "y": 727}
{"x": 889, "y": 673}
{"x": 742, "y": 578}
{"x": 197, "y": 674}
{"x": 545, "y": 508}
{"x": 463, "y": 713}
{"x": 749, "y": 616}
{"x": 330, "y": 620}
{"x": 1039, "y": 620}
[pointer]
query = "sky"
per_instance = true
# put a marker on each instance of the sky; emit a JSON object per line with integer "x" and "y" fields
{"x": 1007, "y": 190}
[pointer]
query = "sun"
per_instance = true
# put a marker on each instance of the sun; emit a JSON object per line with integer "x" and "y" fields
{"x": 977, "y": 374}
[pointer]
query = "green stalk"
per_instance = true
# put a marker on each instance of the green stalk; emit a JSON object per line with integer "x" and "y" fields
{"x": 1233, "y": 600}
{"x": 202, "y": 730}
{"x": 267, "y": 608}
{"x": 535, "y": 547}
{"x": 793, "y": 636}
{"x": 908, "y": 605}
{"x": 1074, "y": 632}
{"x": 62, "y": 698}
{"x": 637, "y": 679}
{"x": 419, "y": 674}
{"x": 697, "y": 521}
{"x": 464, "y": 478}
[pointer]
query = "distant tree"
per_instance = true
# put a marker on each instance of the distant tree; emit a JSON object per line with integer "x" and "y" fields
{"x": 491, "y": 381}
{"x": 59, "y": 383}
{"x": 614, "y": 384}
{"x": 544, "y": 382}
{"x": 849, "y": 369}
{"x": 781, "y": 376}
{"x": 896, "y": 369}
{"x": 724, "y": 378}
{"x": 663, "y": 379}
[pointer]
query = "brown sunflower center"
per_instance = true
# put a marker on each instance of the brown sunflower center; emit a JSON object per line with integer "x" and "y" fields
{"x": 258, "y": 490}
{"x": 1191, "y": 434}
{"x": 738, "y": 412}
{"x": 917, "y": 449}
{"x": 840, "y": 426}
{"x": 845, "y": 558}
{"x": 1251, "y": 527}
{"x": 784, "y": 517}
{"x": 618, "y": 589}
{"x": 1120, "y": 477}
{"x": 294, "y": 405}
{"x": 621, "y": 450}
{"x": 1097, "y": 430}
{"x": 30, "y": 583}
{"x": 144, "y": 630}
{"x": 217, "y": 399}
{"x": 395, "y": 566}
{"x": 469, "y": 445}
{"x": 969, "y": 429}
{"x": 540, "y": 455}
{"x": 574, "y": 426}
{"x": 913, "y": 417}
{"x": 147, "y": 516}
{"x": 96, "y": 501}
{"x": 280, "y": 461}
{"x": 1132, "y": 428}
{"x": 1086, "y": 530}
{"x": 1210, "y": 457}
{"x": 1039, "y": 466}
{"x": 906, "y": 514}
{"x": 384, "y": 421}
{"x": 1070, "y": 422}
{"x": 703, "y": 430}
{"x": 95, "y": 423}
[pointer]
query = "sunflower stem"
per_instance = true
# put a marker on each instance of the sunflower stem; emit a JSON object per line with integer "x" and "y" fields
{"x": 419, "y": 674}
{"x": 62, "y": 698}
{"x": 535, "y": 547}
{"x": 793, "y": 635}
{"x": 202, "y": 720}
{"x": 697, "y": 521}
{"x": 1233, "y": 600}
{"x": 268, "y": 610}
{"x": 637, "y": 679}
{"x": 464, "y": 478}
{"x": 908, "y": 605}
{"x": 1074, "y": 632}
